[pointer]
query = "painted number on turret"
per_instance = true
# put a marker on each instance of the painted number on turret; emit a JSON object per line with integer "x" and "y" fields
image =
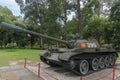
{"x": 91, "y": 45}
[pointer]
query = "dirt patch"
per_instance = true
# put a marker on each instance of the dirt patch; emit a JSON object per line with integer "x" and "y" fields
{"x": 13, "y": 63}
{"x": 9, "y": 76}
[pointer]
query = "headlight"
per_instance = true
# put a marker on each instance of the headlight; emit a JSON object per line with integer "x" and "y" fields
{"x": 83, "y": 45}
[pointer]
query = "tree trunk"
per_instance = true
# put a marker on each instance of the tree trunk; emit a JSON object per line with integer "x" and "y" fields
{"x": 65, "y": 12}
{"x": 41, "y": 43}
{"x": 31, "y": 42}
{"x": 65, "y": 15}
{"x": 79, "y": 18}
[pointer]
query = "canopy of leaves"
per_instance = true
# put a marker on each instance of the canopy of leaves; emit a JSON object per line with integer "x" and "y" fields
{"x": 115, "y": 20}
{"x": 100, "y": 19}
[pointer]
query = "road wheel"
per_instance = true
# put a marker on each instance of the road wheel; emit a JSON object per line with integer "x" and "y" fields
{"x": 95, "y": 64}
{"x": 101, "y": 62}
{"x": 83, "y": 67}
{"x": 107, "y": 61}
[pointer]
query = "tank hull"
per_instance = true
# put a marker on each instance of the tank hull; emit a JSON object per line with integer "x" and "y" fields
{"x": 73, "y": 62}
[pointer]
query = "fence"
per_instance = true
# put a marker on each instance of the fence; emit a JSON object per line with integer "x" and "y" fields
{"x": 38, "y": 72}
{"x": 36, "y": 65}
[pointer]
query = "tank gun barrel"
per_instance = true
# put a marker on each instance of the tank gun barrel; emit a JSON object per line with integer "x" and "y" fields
{"x": 20, "y": 29}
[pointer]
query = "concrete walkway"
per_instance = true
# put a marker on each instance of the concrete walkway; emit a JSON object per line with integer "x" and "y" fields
{"x": 16, "y": 73}
{"x": 59, "y": 73}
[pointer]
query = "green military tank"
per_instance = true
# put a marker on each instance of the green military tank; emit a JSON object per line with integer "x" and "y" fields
{"x": 81, "y": 56}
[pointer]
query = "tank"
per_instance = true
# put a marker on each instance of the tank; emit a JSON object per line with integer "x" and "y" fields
{"x": 80, "y": 56}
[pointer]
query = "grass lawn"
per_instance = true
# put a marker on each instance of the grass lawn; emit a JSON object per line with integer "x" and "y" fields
{"x": 8, "y": 55}
{"x": 119, "y": 56}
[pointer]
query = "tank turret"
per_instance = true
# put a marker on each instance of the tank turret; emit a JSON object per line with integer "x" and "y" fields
{"x": 82, "y": 56}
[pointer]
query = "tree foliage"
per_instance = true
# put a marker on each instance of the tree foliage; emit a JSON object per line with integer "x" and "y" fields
{"x": 7, "y": 36}
{"x": 99, "y": 19}
{"x": 115, "y": 21}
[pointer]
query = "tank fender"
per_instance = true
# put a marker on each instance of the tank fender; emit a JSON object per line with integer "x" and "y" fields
{"x": 44, "y": 53}
{"x": 66, "y": 56}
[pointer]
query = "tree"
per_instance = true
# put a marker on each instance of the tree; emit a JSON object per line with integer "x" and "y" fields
{"x": 115, "y": 21}
{"x": 9, "y": 36}
{"x": 47, "y": 14}
{"x": 34, "y": 11}
{"x": 90, "y": 8}
{"x": 98, "y": 28}
{"x": 5, "y": 16}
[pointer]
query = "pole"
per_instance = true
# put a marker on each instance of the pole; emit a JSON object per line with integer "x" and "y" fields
{"x": 25, "y": 63}
{"x": 39, "y": 71}
{"x": 81, "y": 78}
{"x": 113, "y": 73}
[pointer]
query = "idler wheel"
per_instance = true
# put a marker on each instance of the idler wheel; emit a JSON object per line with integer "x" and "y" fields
{"x": 95, "y": 64}
{"x": 107, "y": 61}
{"x": 101, "y": 62}
{"x": 83, "y": 67}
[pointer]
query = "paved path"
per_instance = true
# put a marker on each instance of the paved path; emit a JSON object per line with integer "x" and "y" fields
{"x": 59, "y": 73}
{"x": 16, "y": 73}
{"x": 52, "y": 73}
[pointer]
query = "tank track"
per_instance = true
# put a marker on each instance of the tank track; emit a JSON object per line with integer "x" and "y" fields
{"x": 84, "y": 65}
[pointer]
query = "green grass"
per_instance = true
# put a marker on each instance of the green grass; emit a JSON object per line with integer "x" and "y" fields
{"x": 7, "y": 55}
{"x": 118, "y": 56}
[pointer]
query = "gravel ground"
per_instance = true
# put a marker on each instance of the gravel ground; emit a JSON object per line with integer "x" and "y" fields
{"x": 16, "y": 73}
{"x": 59, "y": 73}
